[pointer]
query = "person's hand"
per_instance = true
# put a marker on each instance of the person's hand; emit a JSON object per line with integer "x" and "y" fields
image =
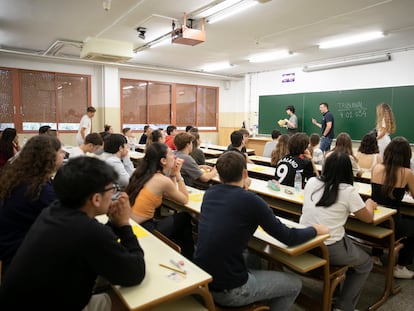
{"x": 286, "y": 120}
{"x": 321, "y": 229}
{"x": 314, "y": 121}
{"x": 371, "y": 204}
{"x": 119, "y": 211}
{"x": 178, "y": 163}
{"x": 247, "y": 182}
{"x": 307, "y": 154}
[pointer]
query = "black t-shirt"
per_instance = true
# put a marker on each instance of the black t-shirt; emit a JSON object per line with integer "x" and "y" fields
{"x": 287, "y": 166}
{"x": 328, "y": 117}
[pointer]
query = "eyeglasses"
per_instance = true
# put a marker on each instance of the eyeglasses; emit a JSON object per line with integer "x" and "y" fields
{"x": 116, "y": 191}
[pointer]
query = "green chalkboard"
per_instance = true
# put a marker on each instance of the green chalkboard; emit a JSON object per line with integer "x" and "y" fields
{"x": 354, "y": 110}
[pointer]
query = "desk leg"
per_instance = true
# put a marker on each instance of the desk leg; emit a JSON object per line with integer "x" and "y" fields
{"x": 203, "y": 291}
{"x": 389, "y": 272}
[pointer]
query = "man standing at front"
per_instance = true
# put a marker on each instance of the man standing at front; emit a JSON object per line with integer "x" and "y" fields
{"x": 326, "y": 126}
{"x": 229, "y": 216}
{"x": 85, "y": 125}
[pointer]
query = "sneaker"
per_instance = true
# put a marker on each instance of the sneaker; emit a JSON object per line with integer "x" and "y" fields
{"x": 403, "y": 273}
{"x": 377, "y": 261}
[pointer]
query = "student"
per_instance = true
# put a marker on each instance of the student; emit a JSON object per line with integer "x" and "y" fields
{"x": 344, "y": 144}
{"x": 108, "y": 128}
{"x": 246, "y": 135}
{"x": 296, "y": 160}
{"x": 197, "y": 154}
{"x": 237, "y": 144}
{"x": 156, "y": 136}
{"x": 368, "y": 153}
{"x": 44, "y": 129}
{"x": 190, "y": 170}
{"x": 326, "y": 126}
{"x": 127, "y": 132}
{"x": 169, "y": 140}
{"x": 292, "y": 123}
{"x": 280, "y": 150}
{"x": 93, "y": 142}
{"x": 271, "y": 145}
{"x": 385, "y": 126}
{"x": 389, "y": 181}
{"x": 229, "y": 216}
{"x": 158, "y": 176}
{"x": 85, "y": 125}
{"x": 9, "y": 145}
{"x": 116, "y": 154}
{"x": 314, "y": 149}
{"x": 188, "y": 128}
{"x": 144, "y": 136}
{"x": 329, "y": 200}
{"x": 26, "y": 189}
{"x": 67, "y": 248}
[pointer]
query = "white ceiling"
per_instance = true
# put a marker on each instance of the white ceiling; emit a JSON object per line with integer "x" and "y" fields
{"x": 296, "y": 25}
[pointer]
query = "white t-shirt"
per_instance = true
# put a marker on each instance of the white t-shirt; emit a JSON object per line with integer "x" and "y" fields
{"x": 268, "y": 148}
{"x": 85, "y": 123}
{"x": 76, "y": 152}
{"x": 335, "y": 216}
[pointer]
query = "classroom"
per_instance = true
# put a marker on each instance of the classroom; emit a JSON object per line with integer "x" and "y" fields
{"x": 239, "y": 90}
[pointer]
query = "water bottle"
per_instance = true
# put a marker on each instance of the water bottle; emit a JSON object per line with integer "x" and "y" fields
{"x": 298, "y": 180}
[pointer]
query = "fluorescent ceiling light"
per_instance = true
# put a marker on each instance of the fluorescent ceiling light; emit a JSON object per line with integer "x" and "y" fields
{"x": 216, "y": 8}
{"x": 266, "y": 57}
{"x": 216, "y": 66}
{"x": 347, "y": 63}
{"x": 368, "y": 36}
{"x": 237, "y": 8}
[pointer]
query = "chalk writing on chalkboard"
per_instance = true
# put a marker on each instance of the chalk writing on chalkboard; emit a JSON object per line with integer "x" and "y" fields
{"x": 350, "y": 110}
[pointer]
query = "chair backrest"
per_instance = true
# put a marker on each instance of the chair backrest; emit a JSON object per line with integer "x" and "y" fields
{"x": 167, "y": 241}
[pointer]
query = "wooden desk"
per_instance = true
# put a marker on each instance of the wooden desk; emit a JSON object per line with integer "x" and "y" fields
{"x": 223, "y": 148}
{"x": 380, "y": 231}
{"x": 255, "y": 170}
{"x": 260, "y": 160}
{"x": 211, "y": 153}
{"x": 258, "y": 143}
{"x": 160, "y": 284}
{"x": 296, "y": 257}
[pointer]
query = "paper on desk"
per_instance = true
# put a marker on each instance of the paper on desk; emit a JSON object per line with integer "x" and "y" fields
{"x": 196, "y": 197}
{"x": 257, "y": 168}
{"x": 139, "y": 231}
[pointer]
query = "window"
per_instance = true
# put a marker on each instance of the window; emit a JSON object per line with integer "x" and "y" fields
{"x": 43, "y": 98}
{"x": 6, "y": 99}
{"x": 161, "y": 104}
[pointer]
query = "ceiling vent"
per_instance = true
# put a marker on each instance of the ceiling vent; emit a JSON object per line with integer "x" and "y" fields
{"x": 105, "y": 50}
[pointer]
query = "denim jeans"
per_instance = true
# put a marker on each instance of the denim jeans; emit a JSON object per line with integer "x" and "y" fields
{"x": 280, "y": 289}
{"x": 325, "y": 144}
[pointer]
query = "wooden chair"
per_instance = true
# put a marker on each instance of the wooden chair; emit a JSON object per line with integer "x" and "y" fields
{"x": 167, "y": 241}
{"x": 314, "y": 265}
{"x": 256, "y": 306}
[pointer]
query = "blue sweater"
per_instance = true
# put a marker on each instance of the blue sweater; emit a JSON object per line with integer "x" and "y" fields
{"x": 229, "y": 217}
{"x": 17, "y": 214}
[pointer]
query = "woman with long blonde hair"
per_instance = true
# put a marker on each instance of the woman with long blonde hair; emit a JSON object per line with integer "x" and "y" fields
{"x": 385, "y": 126}
{"x": 280, "y": 150}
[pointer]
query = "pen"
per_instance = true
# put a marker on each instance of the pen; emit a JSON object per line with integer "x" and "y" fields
{"x": 173, "y": 269}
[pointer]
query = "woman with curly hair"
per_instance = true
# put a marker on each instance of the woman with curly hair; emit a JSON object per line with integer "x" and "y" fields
{"x": 26, "y": 189}
{"x": 385, "y": 126}
{"x": 9, "y": 145}
{"x": 280, "y": 150}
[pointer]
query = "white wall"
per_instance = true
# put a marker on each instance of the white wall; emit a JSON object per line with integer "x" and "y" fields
{"x": 397, "y": 72}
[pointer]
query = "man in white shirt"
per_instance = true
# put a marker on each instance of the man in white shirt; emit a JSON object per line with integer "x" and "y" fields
{"x": 116, "y": 154}
{"x": 85, "y": 125}
{"x": 271, "y": 145}
{"x": 92, "y": 143}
